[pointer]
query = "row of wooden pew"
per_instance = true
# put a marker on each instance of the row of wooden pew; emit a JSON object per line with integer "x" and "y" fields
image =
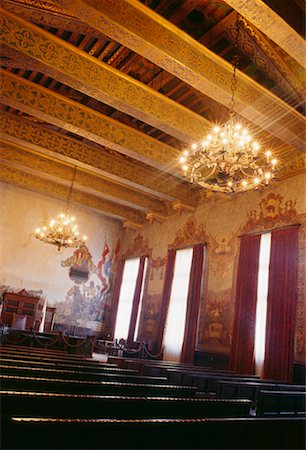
{"x": 52, "y": 400}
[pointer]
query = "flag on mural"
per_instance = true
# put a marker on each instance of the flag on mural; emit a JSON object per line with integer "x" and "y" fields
{"x": 104, "y": 269}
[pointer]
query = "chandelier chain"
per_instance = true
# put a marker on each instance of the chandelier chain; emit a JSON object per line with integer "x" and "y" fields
{"x": 70, "y": 190}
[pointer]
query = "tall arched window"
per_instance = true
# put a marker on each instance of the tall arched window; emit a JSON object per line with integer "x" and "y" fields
{"x": 181, "y": 299}
{"x": 130, "y": 295}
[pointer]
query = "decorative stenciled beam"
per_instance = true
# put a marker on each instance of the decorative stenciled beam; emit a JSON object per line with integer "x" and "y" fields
{"x": 117, "y": 167}
{"x": 71, "y": 66}
{"x": 15, "y": 154}
{"x": 32, "y": 181}
{"x": 139, "y": 28}
{"x": 83, "y": 121}
{"x": 273, "y": 26}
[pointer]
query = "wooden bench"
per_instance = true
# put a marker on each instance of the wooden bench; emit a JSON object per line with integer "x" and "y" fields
{"x": 249, "y": 390}
{"x": 59, "y": 359}
{"x": 64, "y": 365}
{"x": 90, "y": 406}
{"x": 39, "y": 384}
{"x": 79, "y": 375}
{"x": 206, "y": 433}
{"x": 281, "y": 403}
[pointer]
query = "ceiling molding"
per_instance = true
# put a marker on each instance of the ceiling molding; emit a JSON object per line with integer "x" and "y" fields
{"x": 147, "y": 33}
{"x": 33, "y": 182}
{"x": 110, "y": 164}
{"x": 83, "y": 121}
{"x": 273, "y": 26}
{"x": 17, "y": 155}
{"x": 71, "y": 66}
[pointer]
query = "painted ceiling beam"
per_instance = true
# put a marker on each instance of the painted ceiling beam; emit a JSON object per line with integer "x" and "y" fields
{"x": 114, "y": 166}
{"x": 60, "y": 111}
{"x": 18, "y": 155}
{"x": 273, "y": 26}
{"x": 142, "y": 30}
{"x": 33, "y": 182}
{"x": 68, "y": 64}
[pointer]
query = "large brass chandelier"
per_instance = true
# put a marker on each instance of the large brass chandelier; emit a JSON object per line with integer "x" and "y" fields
{"x": 62, "y": 231}
{"x": 228, "y": 159}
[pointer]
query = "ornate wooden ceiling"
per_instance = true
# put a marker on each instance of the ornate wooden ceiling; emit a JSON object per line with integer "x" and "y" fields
{"x": 118, "y": 87}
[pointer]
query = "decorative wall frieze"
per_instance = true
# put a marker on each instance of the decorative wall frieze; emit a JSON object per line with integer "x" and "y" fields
{"x": 147, "y": 33}
{"x": 83, "y": 121}
{"x": 71, "y": 66}
{"x": 33, "y": 182}
{"x": 138, "y": 247}
{"x": 181, "y": 207}
{"x": 192, "y": 233}
{"x": 273, "y": 212}
{"x": 118, "y": 167}
{"x": 15, "y": 154}
{"x": 153, "y": 216}
{"x": 273, "y": 26}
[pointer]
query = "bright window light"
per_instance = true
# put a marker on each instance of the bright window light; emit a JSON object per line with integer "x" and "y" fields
{"x": 175, "y": 325}
{"x": 125, "y": 304}
{"x": 261, "y": 307}
{"x": 141, "y": 300}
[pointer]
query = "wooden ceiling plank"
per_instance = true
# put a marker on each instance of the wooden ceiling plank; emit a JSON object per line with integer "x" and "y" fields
{"x": 145, "y": 32}
{"x": 66, "y": 63}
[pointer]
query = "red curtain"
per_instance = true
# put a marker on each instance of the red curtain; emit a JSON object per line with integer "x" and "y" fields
{"x": 193, "y": 302}
{"x": 241, "y": 358}
{"x": 116, "y": 293}
{"x": 282, "y": 298}
{"x": 166, "y": 296}
{"x": 136, "y": 300}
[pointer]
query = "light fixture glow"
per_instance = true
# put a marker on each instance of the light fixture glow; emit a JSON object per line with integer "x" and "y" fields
{"x": 62, "y": 230}
{"x": 229, "y": 159}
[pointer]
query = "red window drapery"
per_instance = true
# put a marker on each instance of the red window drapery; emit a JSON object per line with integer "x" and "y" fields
{"x": 242, "y": 351}
{"x": 282, "y": 299}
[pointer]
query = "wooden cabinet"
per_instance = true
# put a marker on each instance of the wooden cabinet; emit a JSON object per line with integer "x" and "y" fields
{"x": 20, "y": 304}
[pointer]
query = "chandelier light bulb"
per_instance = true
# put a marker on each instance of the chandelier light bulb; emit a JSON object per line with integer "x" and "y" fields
{"x": 229, "y": 161}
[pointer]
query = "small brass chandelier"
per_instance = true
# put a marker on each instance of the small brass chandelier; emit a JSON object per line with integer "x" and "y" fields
{"x": 62, "y": 231}
{"x": 228, "y": 159}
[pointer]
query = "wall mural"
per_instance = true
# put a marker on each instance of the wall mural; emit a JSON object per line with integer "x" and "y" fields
{"x": 222, "y": 251}
{"x": 217, "y": 315}
{"x": 87, "y": 302}
{"x": 190, "y": 234}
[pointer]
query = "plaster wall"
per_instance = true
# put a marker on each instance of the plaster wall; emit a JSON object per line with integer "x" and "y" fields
{"x": 27, "y": 263}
